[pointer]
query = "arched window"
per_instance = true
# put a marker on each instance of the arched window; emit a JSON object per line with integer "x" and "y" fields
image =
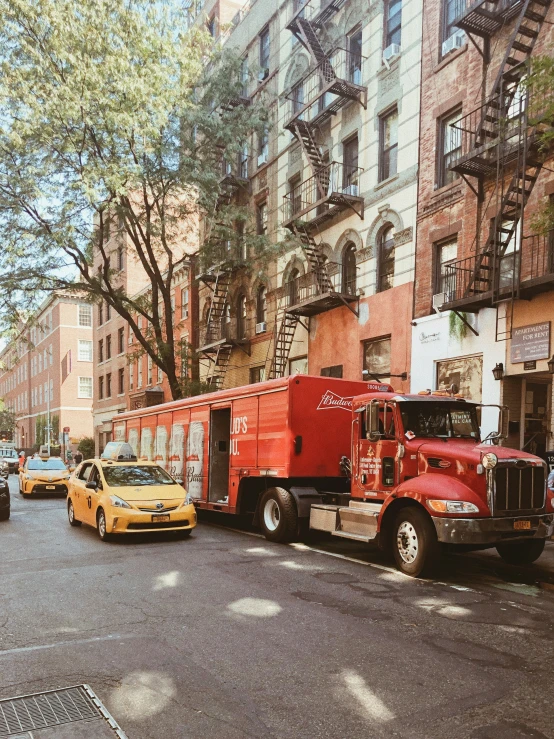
{"x": 386, "y": 258}
{"x": 292, "y": 287}
{"x": 349, "y": 270}
{"x": 261, "y": 305}
{"x": 225, "y": 320}
{"x": 241, "y": 317}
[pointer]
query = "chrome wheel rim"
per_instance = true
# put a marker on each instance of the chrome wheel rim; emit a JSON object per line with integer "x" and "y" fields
{"x": 71, "y": 512}
{"x": 407, "y": 542}
{"x": 272, "y": 515}
{"x": 102, "y": 524}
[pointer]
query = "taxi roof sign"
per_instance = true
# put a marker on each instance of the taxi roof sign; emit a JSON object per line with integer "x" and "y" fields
{"x": 119, "y": 451}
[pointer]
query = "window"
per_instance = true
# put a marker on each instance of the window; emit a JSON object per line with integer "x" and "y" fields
{"x": 292, "y": 287}
{"x": 184, "y": 303}
{"x": 85, "y": 351}
{"x": 108, "y": 385}
{"x": 100, "y": 351}
{"x": 297, "y": 95}
{"x": 85, "y": 387}
{"x": 451, "y": 10}
{"x": 101, "y": 313}
{"x": 120, "y": 340}
{"x": 149, "y": 368}
{"x": 261, "y": 219}
{"x": 447, "y": 253}
{"x": 388, "y": 154}
{"x": 108, "y": 311}
{"x": 298, "y": 366}
{"x": 85, "y": 315}
{"x": 261, "y": 305}
{"x": 139, "y": 372}
{"x": 377, "y": 357}
{"x": 51, "y": 389}
{"x": 264, "y": 54}
{"x": 40, "y": 362}
{"x": 241, "y": 317}
{"x": 350, "y": 168}
{"x": 294, "y": 195}
{"x": 466, "y": 373}
{"x": 159, "y": 375}
{"x": 393, "y": 22}
{"x": 101, "y": 388}
{"x": 109, "y": 346}
{"x": 51, "y": 355}
{"x": 121, "y": 381}
{"x": 257, "y": 374}
{"x": 212, "y": 28}
{"x": 334, "y": 371}
{"x": 349, "y": 271}
{"x": 355, "y": 56}
{"x": 450, "y": 148}
{"x": 131, "y": 375}
{"x": 386, "y": 258}
{"x": 263, "y": 147}
{"x": 120, "y": 258}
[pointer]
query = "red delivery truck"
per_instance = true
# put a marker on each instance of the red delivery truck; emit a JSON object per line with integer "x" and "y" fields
{"x": 355, "y": 459}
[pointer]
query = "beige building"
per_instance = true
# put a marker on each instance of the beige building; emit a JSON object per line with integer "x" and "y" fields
{"x": 337, "y": 172}
{"x": 47, "y": 371}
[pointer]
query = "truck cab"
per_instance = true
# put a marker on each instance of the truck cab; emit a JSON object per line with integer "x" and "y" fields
{"x": 421, "y": 477}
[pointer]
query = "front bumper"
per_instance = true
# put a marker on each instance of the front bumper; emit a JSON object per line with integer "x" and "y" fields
{"x": 40, "y": 486}
{"x": 4, "y": 500}
{"x": 131, "y": 521}
{"x": 492, "y": 530}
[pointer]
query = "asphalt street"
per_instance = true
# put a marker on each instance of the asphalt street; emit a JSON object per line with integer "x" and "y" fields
{"x": 227, "y": 635}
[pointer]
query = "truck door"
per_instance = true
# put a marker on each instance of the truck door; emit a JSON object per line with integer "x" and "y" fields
{"x": 220, "y": 435}
{"x": 377, "y": 473}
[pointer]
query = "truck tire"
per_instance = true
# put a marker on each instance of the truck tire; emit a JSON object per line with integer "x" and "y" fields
{"x": 521, "y": 552}
{"x": 278, "y": 515}
{"x": 415, "y": 546}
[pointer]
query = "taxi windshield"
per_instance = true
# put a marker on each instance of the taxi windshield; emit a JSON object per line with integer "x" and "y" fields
{"x": 444, "y": 420}
{"x": 46, "y": 464}
{"x": 136, "y": 475}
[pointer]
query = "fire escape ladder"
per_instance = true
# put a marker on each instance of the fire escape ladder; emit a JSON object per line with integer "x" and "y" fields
{"x": 217, "y": 307}
{"x": 218, "y": 366}
{"x": 284, "y": 336}
{"x": 316, "y": 259}
{"x": 305, "y": 135}
{"x": 307, "y": 36}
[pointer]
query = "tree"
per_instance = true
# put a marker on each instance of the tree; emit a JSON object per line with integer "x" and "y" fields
{"x": 7, "y": 423}
{"x": 86, "y": 447}
{"x": 114, "y": 118}
{"x": 540, "y": 86}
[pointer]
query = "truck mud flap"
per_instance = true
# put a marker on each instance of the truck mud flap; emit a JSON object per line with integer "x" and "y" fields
{"x": 305, "y": 498}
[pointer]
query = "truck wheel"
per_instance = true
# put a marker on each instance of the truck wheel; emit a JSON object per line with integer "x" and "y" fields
{"x": 521, "y": 552}
{"x": 278, "y": 515}
{"x": 414, "y": 542}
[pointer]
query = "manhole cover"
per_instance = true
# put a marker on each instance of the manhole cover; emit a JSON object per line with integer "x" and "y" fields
{"x": 48, "y": 715}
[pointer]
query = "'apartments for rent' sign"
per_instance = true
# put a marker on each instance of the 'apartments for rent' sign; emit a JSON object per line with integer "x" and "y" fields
{"x": 531, "y": 342}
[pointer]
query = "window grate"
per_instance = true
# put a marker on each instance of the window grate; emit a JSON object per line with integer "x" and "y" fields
{"x": 53, "y": 708}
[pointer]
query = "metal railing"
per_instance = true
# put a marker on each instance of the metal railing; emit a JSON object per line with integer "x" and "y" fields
{"x": 310, "y": 95}
{"x": 311, "y": 285}
{"x": 313, "y": 10}
{"x": 239, "y": 169}
{"x": 330, "y": 183}
{"x": 231, "y": 330}
{"x": 537, "y": 256}
{"x": 492, "y": 8}
{"x": 475, "y": 275}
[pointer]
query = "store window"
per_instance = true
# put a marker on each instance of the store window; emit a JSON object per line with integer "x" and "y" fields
{"x": 465, "y": 372}
{"x": 377, "y": 353}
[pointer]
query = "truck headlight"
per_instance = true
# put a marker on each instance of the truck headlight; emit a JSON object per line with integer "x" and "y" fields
{"x": 452, "y": 506}
{"x": 489, "y": 460}
{"x": 118, "y": 502}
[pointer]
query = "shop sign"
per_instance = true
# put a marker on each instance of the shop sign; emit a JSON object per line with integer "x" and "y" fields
{"x": 530, "y": 365}
{"x": 530, "y": 343}
{"x": 428, "y": 338}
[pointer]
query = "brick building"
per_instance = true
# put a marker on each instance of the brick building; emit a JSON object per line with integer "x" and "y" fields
{"x": 49, "y": 367}
{"x": 483, "y": 277}
{"x": 337, "y": 169}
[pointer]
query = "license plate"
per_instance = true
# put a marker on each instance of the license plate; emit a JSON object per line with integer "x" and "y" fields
{"x": 50, "y": 487}
{"x": 163, "y": 517}
{"x": 522, "y": 525}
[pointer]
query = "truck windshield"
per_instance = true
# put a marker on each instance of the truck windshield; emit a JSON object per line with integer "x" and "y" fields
{"x": 127, "y": 476}
{"x": 443, "y": 420}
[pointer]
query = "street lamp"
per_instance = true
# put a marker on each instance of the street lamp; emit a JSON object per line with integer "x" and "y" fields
{"x": 498, "y": 371}
{"x": 550, "y": 364}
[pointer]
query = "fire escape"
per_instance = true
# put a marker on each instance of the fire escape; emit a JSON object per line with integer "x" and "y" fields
{"x": 216, "y": 339}
{"x": 497, "y": 142}
{"x": 332, "y": 81}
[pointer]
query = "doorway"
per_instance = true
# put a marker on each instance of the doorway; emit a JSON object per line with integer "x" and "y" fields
{"x": 220, "y": 435}
{"x": 536, "y": 414}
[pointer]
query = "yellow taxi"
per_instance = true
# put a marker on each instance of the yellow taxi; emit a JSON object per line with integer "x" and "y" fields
{"x": 118, "y": 494}
{"x": 43, "y": 475}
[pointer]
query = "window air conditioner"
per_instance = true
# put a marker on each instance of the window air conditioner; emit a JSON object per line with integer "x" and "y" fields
{"x": 438, "y": 300}
{"x": 261, "y": 328}
{"x": 456, "y": 41}
{"x": 351, "y": 190}
{"x": 391, "y": 51}
{"x": 262, "y": 158}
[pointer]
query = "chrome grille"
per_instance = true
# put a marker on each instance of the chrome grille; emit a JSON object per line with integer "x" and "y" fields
{"x": 518, "y": 489}
{"x": 53, "y": 708}
{"x": 159, "y": 510}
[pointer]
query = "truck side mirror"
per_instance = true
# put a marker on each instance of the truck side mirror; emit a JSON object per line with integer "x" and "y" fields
{"x": 372, "y": 421}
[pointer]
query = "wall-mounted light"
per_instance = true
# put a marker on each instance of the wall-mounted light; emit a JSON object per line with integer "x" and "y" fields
{"x": 498, "y": 371}
{"x": 550, "y": 364}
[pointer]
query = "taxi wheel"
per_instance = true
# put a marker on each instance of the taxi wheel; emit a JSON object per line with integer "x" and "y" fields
{"x": 101, "y": 525}
{"x": 184, "y": 534}
{"x": 71, "y": 515}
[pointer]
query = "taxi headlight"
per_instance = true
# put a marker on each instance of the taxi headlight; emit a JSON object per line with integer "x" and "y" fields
{"x": 489, "y": 460}
{"x": 188, "y": 499}
{"x": 452, "y": 506}
{"x": 118, "y": 502}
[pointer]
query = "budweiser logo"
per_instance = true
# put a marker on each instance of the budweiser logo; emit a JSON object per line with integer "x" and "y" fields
{"x": 332, "y": 400}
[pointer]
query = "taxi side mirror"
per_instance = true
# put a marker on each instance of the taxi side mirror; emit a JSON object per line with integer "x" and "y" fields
{"x": 92, "y": 485}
